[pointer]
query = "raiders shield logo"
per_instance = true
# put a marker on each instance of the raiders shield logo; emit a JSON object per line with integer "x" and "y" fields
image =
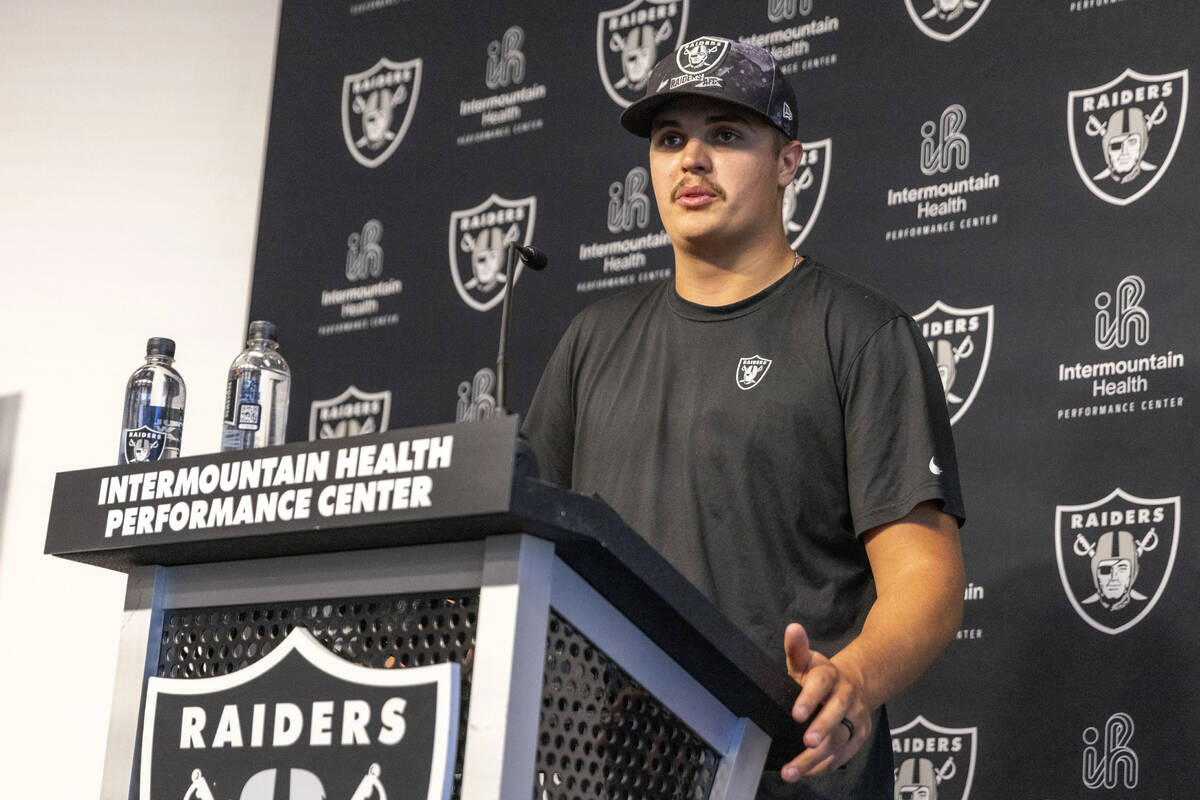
{"x": 631, "y": 39}
{"x": 144, "y": 444}
{"x": 1125, "y": 133}
{"x": 352, "y": 413}
{"x": 751, "y": 370}
{"x": 961, "y": 342}
{"x": 945, "y": 20}
{"x": 700, "y": 55}
{"x": 933, "y": 762}
{"x": 479, "y": 239}
{"x": 304, "y": 724}
{"x": 803, "y": 197}
{"x": 377, "y": 107}
{"x": 1115, "y": 556}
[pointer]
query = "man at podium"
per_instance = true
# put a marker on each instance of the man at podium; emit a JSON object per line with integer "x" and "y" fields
{"x": 776, "y": 429}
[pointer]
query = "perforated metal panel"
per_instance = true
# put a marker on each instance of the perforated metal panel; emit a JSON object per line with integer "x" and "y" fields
{"x": 388, "y": 632}
{"x": 602, "y": 735}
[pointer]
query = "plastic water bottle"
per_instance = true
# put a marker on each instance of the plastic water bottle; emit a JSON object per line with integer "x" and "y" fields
{"x": 152, "y": 423}
{"x": 256, "y": 396}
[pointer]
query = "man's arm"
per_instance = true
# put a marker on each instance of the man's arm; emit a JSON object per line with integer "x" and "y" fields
{"x": 918, "y": 570}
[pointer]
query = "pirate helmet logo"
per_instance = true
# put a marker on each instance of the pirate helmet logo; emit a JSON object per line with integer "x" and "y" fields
{"x": 701, "y": 55}
{"x": 377, "y": 108}
{"x": 1124, "y": 133}
{"x": 804, "y": 196}
{"x": 479, "y": 239}
{"x": 1115, "y": 556}
{"x": 945, "y": 20}
{"x": 933, "y": 762}
{"x": 960, "y": 340}
{"x": 373, "y": 733}
{"x": 351, "y": 413}
{"x": 631, "y": 39}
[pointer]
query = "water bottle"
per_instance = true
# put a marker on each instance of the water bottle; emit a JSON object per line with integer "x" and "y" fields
{"x": 256, "y": 396}
{"x": 152, "y": 423}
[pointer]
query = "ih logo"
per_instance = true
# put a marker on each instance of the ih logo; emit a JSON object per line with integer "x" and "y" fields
{"x": 1115, "y": 556}
{"x": 364, "y": 253}
{"x": 1110, "y": 763}
{"x": 1123, "y": 321}
{"x": 943, "y": 144}
{"x": 352, "y": 413}
{"x": 482, "y": 235}
{"x": 628, "y": 203}
{"x": 305, "y": 724}
{"x": 945, "y": 20}
{"x": 476, "y": 398}
{"x": 629, "y": 41}
{"x": 506, "y": 62}
{"x": 933, "y": 762}
{"x": 961, "y": 342}
{"x": 780, "y": 10}
{"x": 803, "y": 197}
{"x": 751, "y": 370}
{"x": 1125, "y": 133}
{"x": 377, "y": 107}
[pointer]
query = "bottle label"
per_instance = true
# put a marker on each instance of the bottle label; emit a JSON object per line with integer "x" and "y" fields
{"x": 143, "y": 444}
{"x": 248, "y": 416}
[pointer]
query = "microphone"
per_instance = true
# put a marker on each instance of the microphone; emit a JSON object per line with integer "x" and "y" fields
{"x": 536, "y": 260}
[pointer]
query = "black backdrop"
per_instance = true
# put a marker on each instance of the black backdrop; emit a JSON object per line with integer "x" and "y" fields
{"x": 957, "y": 164}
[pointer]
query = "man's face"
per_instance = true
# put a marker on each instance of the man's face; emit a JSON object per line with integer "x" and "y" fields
{"x": 717, "y": 173}
{"x": 1113, "y": 577}
{"x": 1124, "y": 152}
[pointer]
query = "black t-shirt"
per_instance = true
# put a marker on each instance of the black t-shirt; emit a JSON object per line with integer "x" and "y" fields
{"x": 753, "y": 444}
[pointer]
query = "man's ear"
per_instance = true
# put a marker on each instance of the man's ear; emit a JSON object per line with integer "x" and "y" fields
{"x": 790, "y": 158}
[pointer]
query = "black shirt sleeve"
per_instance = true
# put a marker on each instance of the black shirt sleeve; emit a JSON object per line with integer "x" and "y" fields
{"x": 549, "y": 427}
{"x": 899, "y": 450}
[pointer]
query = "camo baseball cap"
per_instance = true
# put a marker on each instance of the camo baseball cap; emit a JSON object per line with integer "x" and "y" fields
{"x": 711, "y": 66}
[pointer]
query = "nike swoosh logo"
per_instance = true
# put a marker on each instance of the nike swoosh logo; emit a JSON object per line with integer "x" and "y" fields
{"x": 934, "y": 468}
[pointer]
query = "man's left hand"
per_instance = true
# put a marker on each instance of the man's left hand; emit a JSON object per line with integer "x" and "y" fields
{"x": 829, "y": 694}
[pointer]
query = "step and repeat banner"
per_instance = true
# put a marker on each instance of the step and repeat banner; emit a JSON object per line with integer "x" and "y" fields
{"x": 1020, "y": 175}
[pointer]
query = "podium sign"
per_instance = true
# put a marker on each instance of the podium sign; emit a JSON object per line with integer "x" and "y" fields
{"x": 302, "y": 723}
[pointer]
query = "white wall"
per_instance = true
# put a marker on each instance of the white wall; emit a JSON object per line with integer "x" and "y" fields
{"x": 132, "y": 135}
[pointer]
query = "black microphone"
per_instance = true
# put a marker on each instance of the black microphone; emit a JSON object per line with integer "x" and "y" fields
{"x": 536, "y": 260}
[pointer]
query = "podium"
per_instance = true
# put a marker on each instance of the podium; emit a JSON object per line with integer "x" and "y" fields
{"x": 402, "y": 615}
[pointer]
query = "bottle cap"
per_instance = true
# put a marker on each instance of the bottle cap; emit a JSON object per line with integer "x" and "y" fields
{"x": 261, "y": 329}
{"x": 160, "y": 346}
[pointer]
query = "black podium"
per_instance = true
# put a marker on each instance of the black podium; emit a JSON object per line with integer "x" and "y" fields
{"x": 400, "y": 616}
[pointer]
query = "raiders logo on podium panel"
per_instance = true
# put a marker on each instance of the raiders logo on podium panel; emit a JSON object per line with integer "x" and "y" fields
{"x": 352, "y": 413}
{"x": 631, "y": 39}
{"x": 481, "y": 235}
{"x": 1115, "y": 556}
{"x": 961, "y": 342}
{"x": 945, "y": 20}
{"x": 377, "y": 108}
{"x": 1124, "y": 133}
{"x": 803, "y": 197}
{"x": 305, "y": 724}
{"x": 933, "y": 762}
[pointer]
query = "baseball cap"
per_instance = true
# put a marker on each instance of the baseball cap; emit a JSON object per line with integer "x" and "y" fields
{"x": 711, "y": 66}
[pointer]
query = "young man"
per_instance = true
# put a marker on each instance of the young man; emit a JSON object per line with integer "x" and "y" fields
{"x": 778, "y": 431}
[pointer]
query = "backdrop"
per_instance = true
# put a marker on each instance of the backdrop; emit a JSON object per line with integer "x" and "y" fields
{"x": 1019, "y": 175}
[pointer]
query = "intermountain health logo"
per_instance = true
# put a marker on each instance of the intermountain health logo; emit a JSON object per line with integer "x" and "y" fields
{"x": 506, "y": 111}
{"x": 933, "y": 762}
{"x": 377, "y": 108}
{"x": 945, "y": 20}
{"x": 631, "y": 39}
{"x": 302, "y": 723}
{"x": 803, "y": 197}
{"x": 1124, "y": 133}
{"x": 1133, "y": 378}
{"x": 630, "y": 213}
{"x": 479, "y": 239}
{"x": 783, "y": 10}
{"x": 363, "y": 301}
{"x": 1115, "y": 556}
{"x": 476, "y": 397}
{"x": 351, "y": 413}
{"x": 943, "y": 206}
{"x": 961, "y": 342}
{"x": 1109, "y": 762}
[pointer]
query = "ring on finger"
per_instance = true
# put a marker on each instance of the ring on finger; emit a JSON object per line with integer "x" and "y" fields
{"x": 849, "y": 726}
